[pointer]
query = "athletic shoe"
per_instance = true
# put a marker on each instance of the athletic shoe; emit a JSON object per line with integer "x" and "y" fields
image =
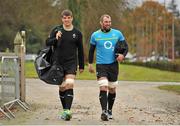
{"x": 104, "y": 116}
{"x": 66, "y": 115}
{"x": 110, "y": 114}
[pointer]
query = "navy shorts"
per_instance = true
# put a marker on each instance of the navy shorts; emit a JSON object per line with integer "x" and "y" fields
{"x": 70, "y": 67}
{"x": 110, "y": 71}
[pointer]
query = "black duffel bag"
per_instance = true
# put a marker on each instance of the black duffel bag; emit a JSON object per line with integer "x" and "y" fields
{"x": 121, "y": 47}
{"x": 47, "y": 70}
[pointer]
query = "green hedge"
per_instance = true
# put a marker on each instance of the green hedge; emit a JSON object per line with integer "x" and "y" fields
{"x": 162, "y": 65}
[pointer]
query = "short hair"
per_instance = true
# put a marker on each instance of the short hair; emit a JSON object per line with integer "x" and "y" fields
{"x": 104, "y": 15}
{"x": 66, "y": 13}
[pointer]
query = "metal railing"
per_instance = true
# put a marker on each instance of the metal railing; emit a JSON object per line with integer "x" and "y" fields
{"x": 10, "y": 85}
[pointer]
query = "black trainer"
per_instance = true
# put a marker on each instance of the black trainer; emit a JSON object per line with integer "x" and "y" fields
{"x": 104, "y": 116}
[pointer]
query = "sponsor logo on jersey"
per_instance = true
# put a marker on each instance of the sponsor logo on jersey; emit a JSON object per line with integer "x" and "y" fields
{"x": 108, "y": 44}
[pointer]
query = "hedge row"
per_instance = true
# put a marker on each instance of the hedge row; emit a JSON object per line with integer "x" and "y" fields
{"x": 168, "y": 66}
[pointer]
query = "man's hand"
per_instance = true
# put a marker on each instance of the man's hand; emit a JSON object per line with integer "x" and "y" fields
{"x": 91, "y": 69}
{"x": 81, "y": 70}
{"x": 58, "y": 35}
{"x": 120, "y": 58}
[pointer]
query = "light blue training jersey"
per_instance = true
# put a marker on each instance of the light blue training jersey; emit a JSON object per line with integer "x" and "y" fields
{"x": 105, "y": 43}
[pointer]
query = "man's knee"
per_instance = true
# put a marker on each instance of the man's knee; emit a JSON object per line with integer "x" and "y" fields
{"x": 112, "y": 90}
{"x": 67, "y": 84}
{"x": 103, "y": 84}
{"x": 69, "y": 81}
{"x": 112, "y": 86}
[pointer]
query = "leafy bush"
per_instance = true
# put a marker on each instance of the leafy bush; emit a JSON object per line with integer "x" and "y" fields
{"x": 162, "y": 65}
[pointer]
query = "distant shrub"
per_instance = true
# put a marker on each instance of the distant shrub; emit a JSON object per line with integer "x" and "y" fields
{"x": 162, "y": 65}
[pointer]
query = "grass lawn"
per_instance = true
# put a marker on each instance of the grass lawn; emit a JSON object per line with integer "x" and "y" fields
{"x": 127, "y": 72}
{"x": 174, "y": 88}
{"x": 138, "y": 73}
{"x": 30, "y": 71}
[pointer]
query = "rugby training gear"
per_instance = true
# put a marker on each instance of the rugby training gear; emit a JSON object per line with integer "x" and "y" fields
{"x": 103, "y": 82}
{"x": 62, "y": 98}
{"x": 110, "y": 114}
{"x": 69, "y": 81}
{"x": 113, "y": 84}
{"x": 69, "y": 95}
{"x": 103, "y": 99}
{"x": 66, "y": 115}
{"x": 67, "y": 46}
{"x": 121, "y": 47}
{"x": 105, "y": 44}
{"x": 104, "y": 116}
{"x": 111, "y": 99}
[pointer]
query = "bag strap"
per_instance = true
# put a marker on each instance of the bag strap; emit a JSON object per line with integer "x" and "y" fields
{"x": 59, "y": 42}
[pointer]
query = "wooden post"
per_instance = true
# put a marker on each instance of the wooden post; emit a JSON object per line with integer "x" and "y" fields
{"x": 22, "y": 75}
{"x": 19, "y": 50}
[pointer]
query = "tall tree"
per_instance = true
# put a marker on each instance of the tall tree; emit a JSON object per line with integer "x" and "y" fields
{"x": 39, "y": 16}
{"x": 35, "y": 16}
{"x": 149, "y": 32}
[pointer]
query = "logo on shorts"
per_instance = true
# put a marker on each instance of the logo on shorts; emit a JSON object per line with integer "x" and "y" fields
{"x": 108, "y": 44}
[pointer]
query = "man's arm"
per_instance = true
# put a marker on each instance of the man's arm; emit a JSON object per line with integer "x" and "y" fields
{"x": 125, "y": 48}
{"x": 51, "y": 41}
{"x": 91, "y": 57}
{"x": 54, "y": 36}
{"x": 80, "y": 53}
{"x": 91, "y": 53}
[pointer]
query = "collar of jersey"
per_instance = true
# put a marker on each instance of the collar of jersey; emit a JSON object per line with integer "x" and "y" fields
{"x": 105, "y": 31}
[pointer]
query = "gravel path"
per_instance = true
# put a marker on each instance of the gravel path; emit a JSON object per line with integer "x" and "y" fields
{"x": 136, "y": 103}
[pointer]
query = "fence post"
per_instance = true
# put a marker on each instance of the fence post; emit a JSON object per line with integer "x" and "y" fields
{"x": 19, "y": 49}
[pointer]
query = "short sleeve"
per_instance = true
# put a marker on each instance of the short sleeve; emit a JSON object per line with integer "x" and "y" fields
{"x": 121, "y": 36}
{"x": 92, "y": 40}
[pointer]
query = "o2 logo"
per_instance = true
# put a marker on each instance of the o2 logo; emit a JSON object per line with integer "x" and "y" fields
{"x": 108, "y": 44}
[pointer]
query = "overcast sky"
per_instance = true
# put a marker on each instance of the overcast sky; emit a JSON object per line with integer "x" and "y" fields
{"x": 163, "y": 1}
{"x": 168, "y": 1}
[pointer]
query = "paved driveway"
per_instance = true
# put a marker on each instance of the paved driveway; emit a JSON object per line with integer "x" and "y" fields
{"x": 136, "y": 103}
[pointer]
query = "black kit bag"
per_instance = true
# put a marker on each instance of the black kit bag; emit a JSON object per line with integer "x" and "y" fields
{"x": 47, "y": 70}
{"x": 121, "y": 48}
